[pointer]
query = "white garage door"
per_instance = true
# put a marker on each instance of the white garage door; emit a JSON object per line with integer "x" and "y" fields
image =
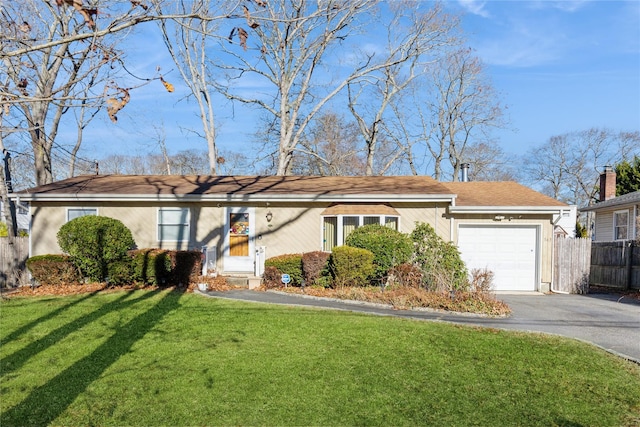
{"x": 509, "y": 251}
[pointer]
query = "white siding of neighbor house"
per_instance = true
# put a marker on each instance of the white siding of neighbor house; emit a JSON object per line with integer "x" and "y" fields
{"x": 604, "y": 226}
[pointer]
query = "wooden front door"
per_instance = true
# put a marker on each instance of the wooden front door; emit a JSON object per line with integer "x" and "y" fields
{"x": 239, "y": 231}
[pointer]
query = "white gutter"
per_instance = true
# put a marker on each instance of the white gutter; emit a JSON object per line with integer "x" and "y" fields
{"x": 505, "y": 209}
{"x": 383, "y": 198}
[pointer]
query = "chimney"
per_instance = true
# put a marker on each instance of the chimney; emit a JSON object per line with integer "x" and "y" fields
{"x": 607, "y": 184}
{"x": 465, "y": 172}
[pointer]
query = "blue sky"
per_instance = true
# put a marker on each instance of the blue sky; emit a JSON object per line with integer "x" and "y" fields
{"x": 558, "y": 66}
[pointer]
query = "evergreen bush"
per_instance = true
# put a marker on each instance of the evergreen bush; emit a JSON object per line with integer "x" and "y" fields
{"x": 351, "y": 266}
{"x": 151, "y": 266}
{"x": 389, "y": 247}
{"x": 94, "y": 242}
{"x": 290, "y": 264}
{"x": 439, "y": 260}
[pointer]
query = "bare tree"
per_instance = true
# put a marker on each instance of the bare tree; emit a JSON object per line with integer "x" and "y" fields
{"x": 187, "y": 41}
{"x": 413, "y": 37}
{"x": 331, "y": 148}
{"x": 464, "y": 109}
{"x": 293, "y": 42}
{"x": 62, "y": 55}
{"x": 488, "y": 162}
{"x": 567, "y": 167}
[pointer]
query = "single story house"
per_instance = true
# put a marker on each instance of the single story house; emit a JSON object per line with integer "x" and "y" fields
{"x": 238, "y": 221}
{"x": 616, "y": 218}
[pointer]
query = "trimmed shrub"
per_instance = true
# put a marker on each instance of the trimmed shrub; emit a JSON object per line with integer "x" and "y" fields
{"x": 53, "y": 270}
{"x": 406, "y": 275}
{"x": 151, "y": 266}
{"x": 315, "y": 265}
{"x": 351, "y": 266}
{"x": 94, "y": 242}
{"x": 389, "y": 247}
{"x": 166, "y": 267}
{"x": 271, "y": 278}
{"x": 439, "y": 260}
{"x": 120, "y": 272}
{"x": 290, "y": 264}
{"x": 184, "y": 266}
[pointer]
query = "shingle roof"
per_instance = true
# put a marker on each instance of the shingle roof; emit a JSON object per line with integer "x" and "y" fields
{"x": 338, "y": 188}
{"x": 503, "y": 193}
{"x": 244, "y": 186}
{"x": 629, "y": 198}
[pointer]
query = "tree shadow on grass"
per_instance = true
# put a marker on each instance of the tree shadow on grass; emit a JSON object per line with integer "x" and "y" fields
{"x": 25, "y": 328}
{"x": 15, "y": 360}
{"x": 44, "y": 404}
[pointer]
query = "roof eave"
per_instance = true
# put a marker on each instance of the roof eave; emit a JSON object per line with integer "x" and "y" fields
{"x": 256, "y": 198}
{"x": 540, "y": 210}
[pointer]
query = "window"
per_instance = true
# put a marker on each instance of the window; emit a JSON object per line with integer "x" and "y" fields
{"x": 621, "y": 225}
{"x": 335, "y": 229}
{"x": 73, "y": 213}
{"x": 173, "y": 224}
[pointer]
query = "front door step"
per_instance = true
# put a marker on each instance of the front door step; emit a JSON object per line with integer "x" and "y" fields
{"x": 250, "y": 282}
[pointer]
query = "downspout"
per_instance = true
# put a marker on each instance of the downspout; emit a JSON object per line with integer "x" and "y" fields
{"x": 553, "y": 254}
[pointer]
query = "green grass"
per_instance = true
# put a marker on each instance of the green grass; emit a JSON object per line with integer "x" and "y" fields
{"x": 168, "y": 358}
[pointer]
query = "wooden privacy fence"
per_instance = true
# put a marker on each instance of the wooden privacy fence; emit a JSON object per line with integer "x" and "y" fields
{"x": 22, "y": 247}
{"x": 615, "y": 264}
{"x": 571, "y": 265}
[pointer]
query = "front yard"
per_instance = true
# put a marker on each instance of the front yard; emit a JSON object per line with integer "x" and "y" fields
{"x": 162, "y": 357}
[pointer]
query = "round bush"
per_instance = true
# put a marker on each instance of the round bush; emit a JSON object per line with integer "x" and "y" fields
{"x": 95, "y": 242}
{"x": 389, "y": 247}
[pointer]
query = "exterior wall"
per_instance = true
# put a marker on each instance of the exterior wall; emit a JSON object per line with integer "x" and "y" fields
{"x": 545, "y": 243}
{"x": 604, "y": 226}
{"x": 294, "y": 228}
{"x": 603, "y": 229}
{"x": 434, "y": 215}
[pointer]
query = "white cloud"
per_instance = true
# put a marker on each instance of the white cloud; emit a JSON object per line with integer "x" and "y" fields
{"x": 563, "y": 5}
{"x": 475, "y": 7}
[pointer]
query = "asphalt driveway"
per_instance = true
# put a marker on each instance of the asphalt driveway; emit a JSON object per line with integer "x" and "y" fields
{"x": 605, "y": 320}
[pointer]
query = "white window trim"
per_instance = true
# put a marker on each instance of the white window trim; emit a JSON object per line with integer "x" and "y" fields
{"x": 187, "y": 235}
{"x": 79, "y": 208}
{"x": 615, "y": 224}
{"x": 339, "y": 225}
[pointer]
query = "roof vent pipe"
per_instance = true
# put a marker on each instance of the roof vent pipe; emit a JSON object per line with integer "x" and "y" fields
{"x": 465, "y": 172}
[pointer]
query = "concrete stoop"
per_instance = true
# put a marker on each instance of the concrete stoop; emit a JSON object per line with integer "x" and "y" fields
{"x": 249, "y": 282}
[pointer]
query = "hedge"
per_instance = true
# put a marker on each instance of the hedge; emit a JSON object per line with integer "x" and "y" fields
{"x": 54, "y": 270}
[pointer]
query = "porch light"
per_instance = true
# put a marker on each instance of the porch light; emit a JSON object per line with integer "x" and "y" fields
{"x": 269, "y": 216}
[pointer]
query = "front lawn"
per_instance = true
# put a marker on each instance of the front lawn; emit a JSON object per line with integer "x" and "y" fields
{"x": 170, "y": 358}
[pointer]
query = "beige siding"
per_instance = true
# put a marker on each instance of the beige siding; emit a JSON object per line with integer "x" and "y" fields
{"x": 295, "y": 228}
{"x": 432, "y": 214}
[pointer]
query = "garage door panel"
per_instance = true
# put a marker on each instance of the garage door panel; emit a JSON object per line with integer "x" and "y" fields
{"x": 509, "y": 251}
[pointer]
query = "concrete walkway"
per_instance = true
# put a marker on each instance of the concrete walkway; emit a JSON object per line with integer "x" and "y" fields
{"x": 602, "y": 319}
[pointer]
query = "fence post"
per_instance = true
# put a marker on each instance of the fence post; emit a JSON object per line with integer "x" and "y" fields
{"x": 628, "y": 265}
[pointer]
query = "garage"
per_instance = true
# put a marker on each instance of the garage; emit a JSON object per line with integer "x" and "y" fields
{"x": 510, "y": 251}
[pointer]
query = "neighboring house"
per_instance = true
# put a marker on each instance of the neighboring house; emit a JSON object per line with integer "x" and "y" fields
{"x": 22, "y": 216}
{"x": 241, "y": 220}
{"x": 616, "y": 218}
